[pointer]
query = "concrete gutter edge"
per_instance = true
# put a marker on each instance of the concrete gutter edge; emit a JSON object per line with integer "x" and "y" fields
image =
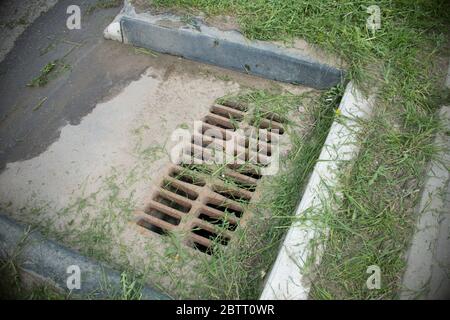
{"x": 197, "y": 41}
{"x": 288, "y": 278}
{"x": 428, "y": 258}
{"x": 447, "y": 80}
{"x": 49, "y": 261}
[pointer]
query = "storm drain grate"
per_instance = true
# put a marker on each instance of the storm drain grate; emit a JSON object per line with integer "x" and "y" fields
{"x": 206, "y": 208}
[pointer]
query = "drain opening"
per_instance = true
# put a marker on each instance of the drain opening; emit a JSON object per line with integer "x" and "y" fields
{"x": 199, "y": 153}
{"x": 259, "y": 134}
{"x": 198, "y": 168}
{"x": 271, "y": 116}
{"x": 245, "y": 185}
{"x": 172, "y": 203}
{"x": 251, "y": 174}
{"x": 225, "y": 208}
{"x": 213, "y": 131}
{"x": 270, "y": 126}
{"x": 247, "y": 171}
{"x": 260, "y": 146}
{"x": 235, "y": 105}
{"x": 209, "y": 147}
{"x": 188, "y": 178}
{"x": 202, "y": 232}
{"x": 163, "y": 216}
{"x": 227, "y": 113}
{"x": 202, "y": 248}
{"x": 152, "y": 227}
{"x": 239, "y": 180}
{"x": 179, "y": 190}
{"x": 209, "y": 143}
{"x": 252, "y": 156}
{"x": 232, "y": 194}
{"x": 220, "y": 222}
{"x": 269, "y": 120}
{"x": 219, "y": 121}
{"x": 265, "y": 150}
{"x": 239, "y": 183}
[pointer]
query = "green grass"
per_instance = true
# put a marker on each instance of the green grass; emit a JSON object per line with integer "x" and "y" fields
{"x": 373, "y": 223}
{"x": 403, "y": 60}
{"x": 22, "y": 21}
{"x": 50, "y": 71}
{"x": 145, "y": 51}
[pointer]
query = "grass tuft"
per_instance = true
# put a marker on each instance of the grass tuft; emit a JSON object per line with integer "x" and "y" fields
{"x": 49, "y": 71}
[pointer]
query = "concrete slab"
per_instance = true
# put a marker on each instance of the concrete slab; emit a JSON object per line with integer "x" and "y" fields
{"x": 447, "y": 80}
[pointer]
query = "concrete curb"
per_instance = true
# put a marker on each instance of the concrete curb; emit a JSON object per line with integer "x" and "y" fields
{"x": 428, "y": 259}
{"x": 197, "y": 41}
{"x": 48, "y": 261}
{"x": 447, "y": 80}
{"x": 288, "y": 278}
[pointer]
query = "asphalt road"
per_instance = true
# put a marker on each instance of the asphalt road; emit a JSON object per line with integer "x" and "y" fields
{"x": 31, "y": 117}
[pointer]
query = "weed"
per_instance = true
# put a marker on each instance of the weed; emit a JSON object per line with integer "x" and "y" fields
{"x": 39, "y": 104}
{"x": 49, "y": 71}
{"x": 224, "y": 77}
{"x": 14, "y": 23}
{"x": 190, "y": 20}
{"x": 146, "y": 52}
